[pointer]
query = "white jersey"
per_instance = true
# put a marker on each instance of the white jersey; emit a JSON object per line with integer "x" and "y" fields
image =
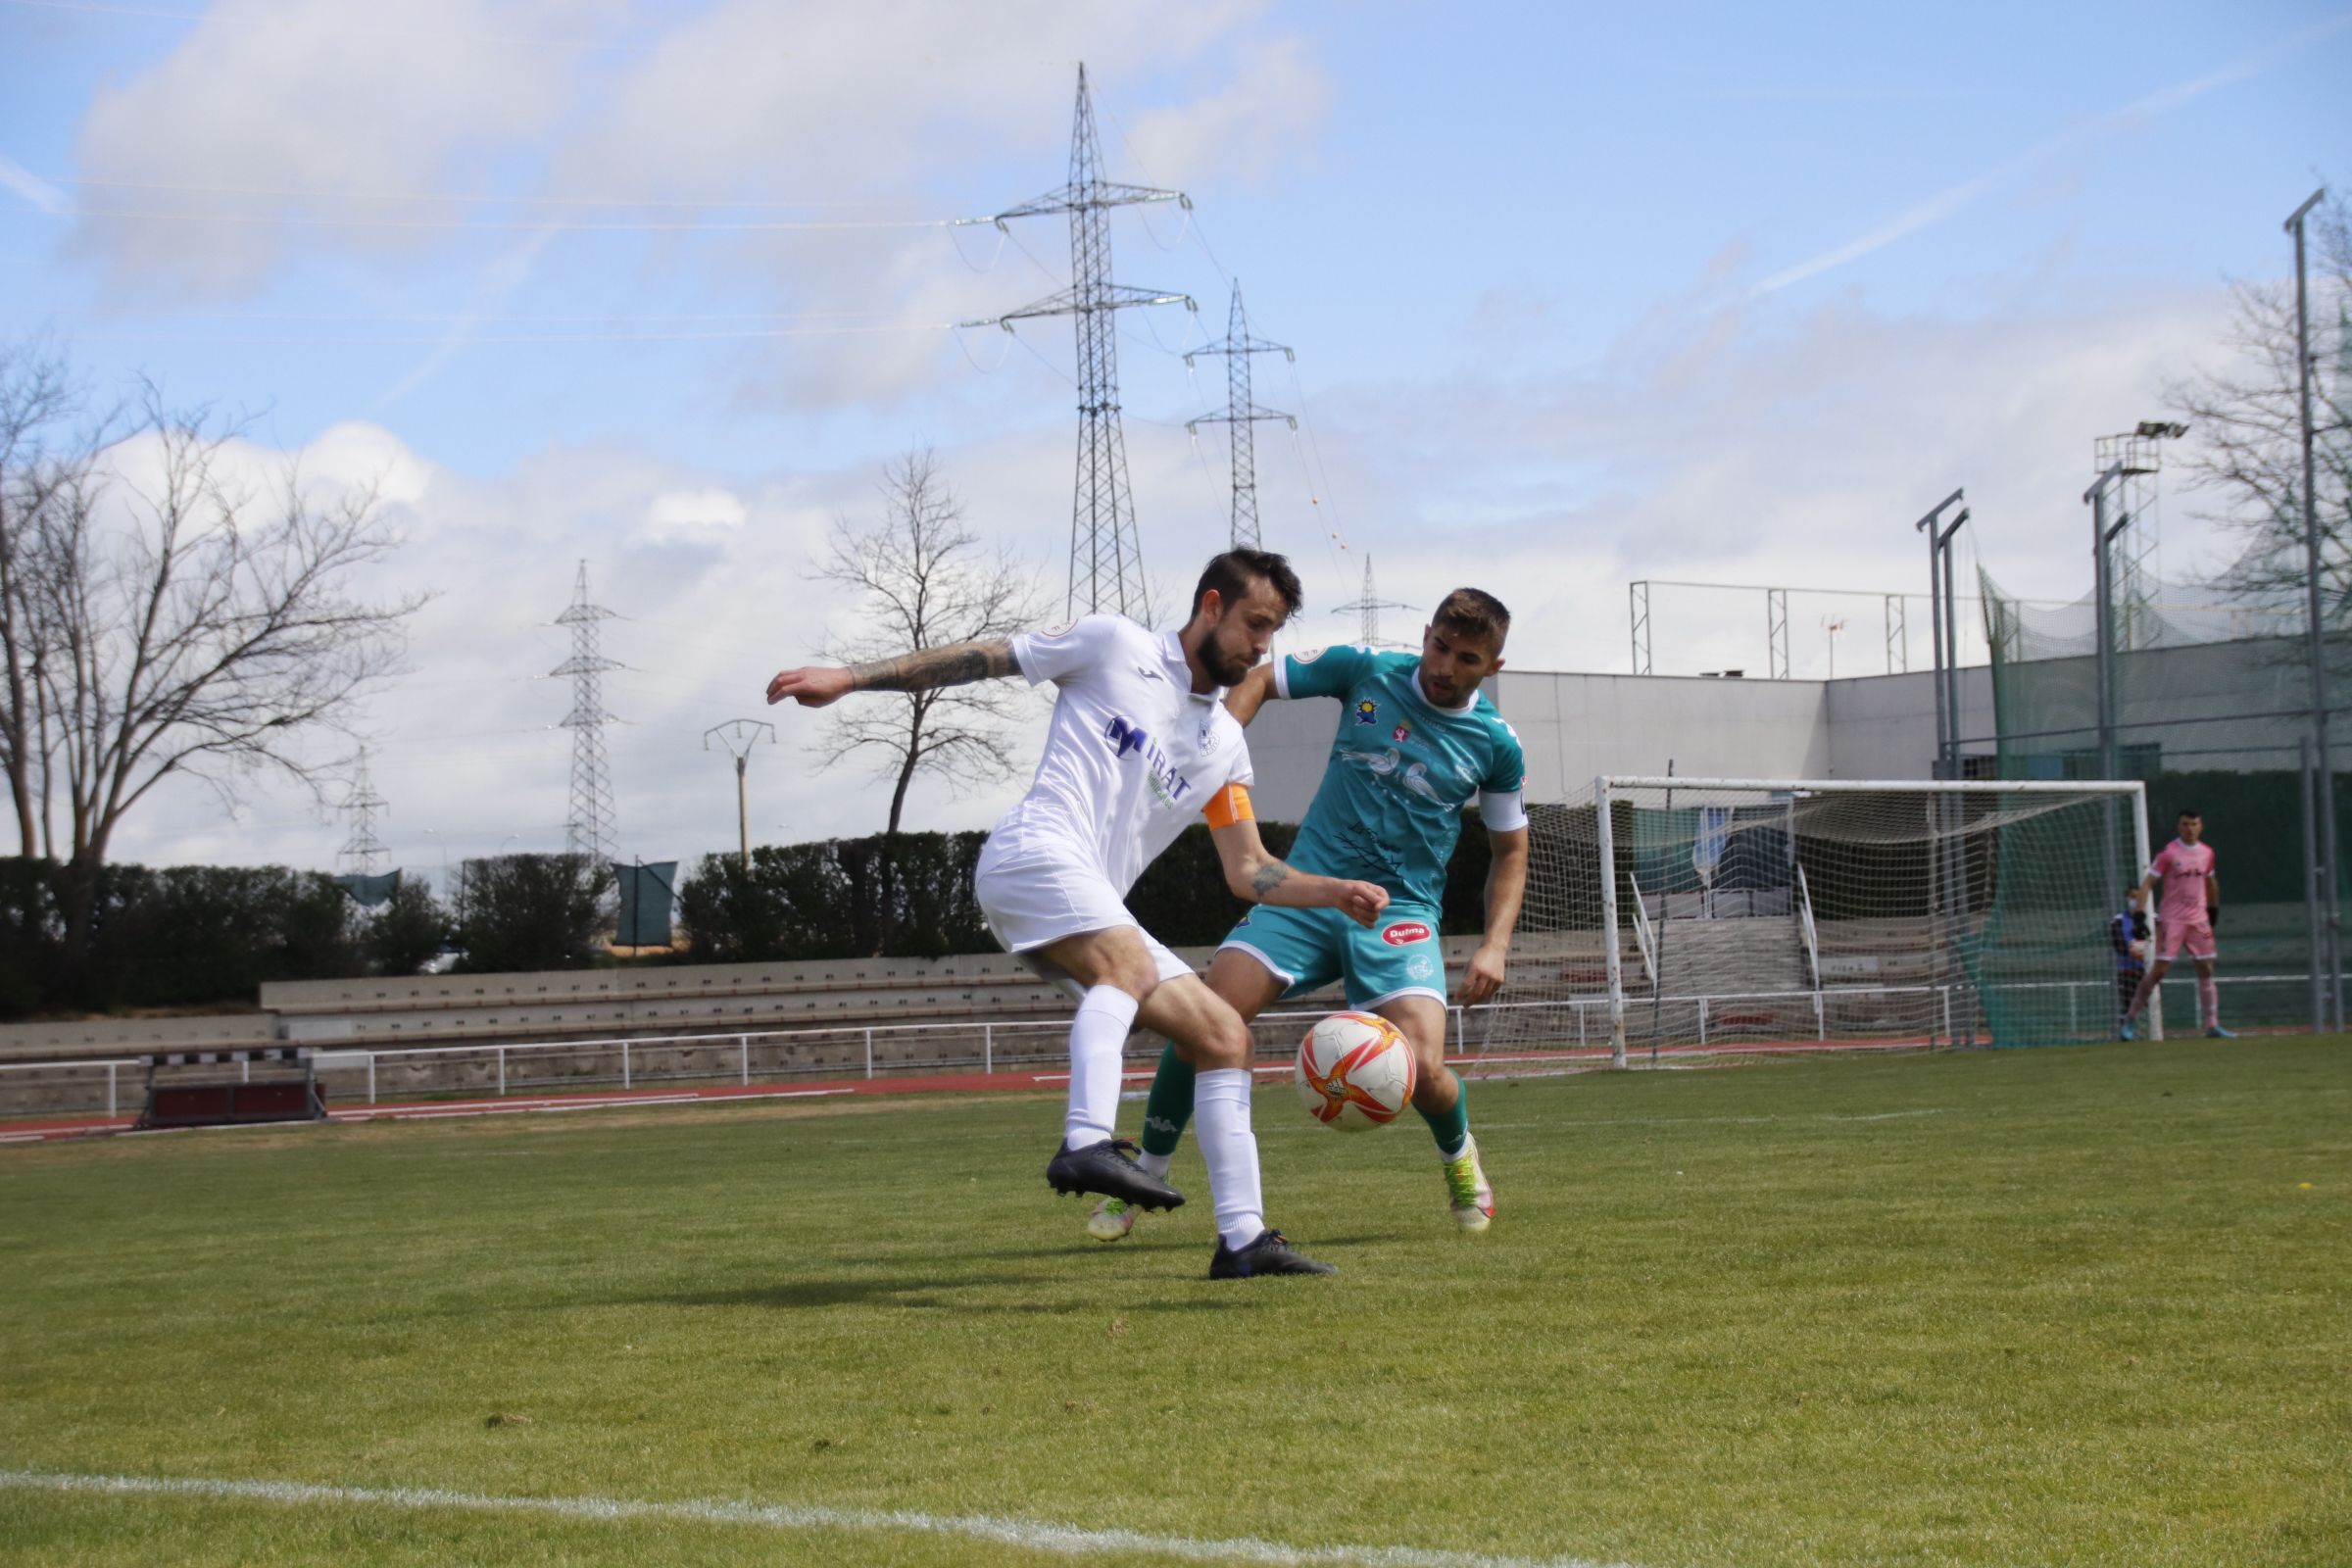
{"x": 1133, "y": 754}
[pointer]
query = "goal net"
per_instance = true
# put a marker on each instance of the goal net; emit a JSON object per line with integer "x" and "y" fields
{"x": 1675, "y": 918}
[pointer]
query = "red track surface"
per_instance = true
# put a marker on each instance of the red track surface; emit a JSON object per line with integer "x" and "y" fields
{"x": 1527, "y": 1064}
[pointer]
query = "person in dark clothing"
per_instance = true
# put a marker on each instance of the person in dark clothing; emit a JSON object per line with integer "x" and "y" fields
{"x": 2127, "y": 934}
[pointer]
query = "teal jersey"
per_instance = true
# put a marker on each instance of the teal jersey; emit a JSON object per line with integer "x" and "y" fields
{"x": 1389, "y": 808}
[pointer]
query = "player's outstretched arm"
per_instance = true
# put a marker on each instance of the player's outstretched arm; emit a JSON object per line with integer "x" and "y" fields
{"x": 1255, "y": 876}
{"x": 957, "y": 664}
{"x": 1506, "y": 891}
{"x": 1250, "y": 693}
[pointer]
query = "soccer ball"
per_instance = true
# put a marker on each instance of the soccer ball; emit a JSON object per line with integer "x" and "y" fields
{"x": 1355, "y": 1072}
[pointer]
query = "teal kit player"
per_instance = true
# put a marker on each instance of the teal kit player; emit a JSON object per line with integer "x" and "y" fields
{"x": 1417, "y": 742}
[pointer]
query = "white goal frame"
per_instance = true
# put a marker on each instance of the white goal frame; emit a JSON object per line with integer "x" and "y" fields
{"x": 2132, "y": 790}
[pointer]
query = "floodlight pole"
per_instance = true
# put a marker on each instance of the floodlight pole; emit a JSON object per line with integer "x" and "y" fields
{"x": 2331, "y": 950}
{"x": 1953, "y": 869}
{"x": 1945, "y": 631}
{"x": 2103, "y": 608}
{"x": 2102, "y": 580}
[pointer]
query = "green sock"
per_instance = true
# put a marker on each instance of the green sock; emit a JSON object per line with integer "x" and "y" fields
{"x": 1450, "y": 1127}
{"x": 1170, "y": 1104}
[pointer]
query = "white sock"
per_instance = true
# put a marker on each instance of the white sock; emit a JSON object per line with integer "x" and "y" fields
{"x": 1221, "y": 1113}
{"x": 1156, "y": 1164}
{"x": 1097, "y": 1035}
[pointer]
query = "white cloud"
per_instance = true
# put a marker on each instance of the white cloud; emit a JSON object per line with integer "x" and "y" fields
{"x": 1716, "y": 450}
{"x": 328, "y": 132}
{"x": 697, "y": 514}
{"x": 1265, "y": 118}
{"x": 318, "y": 130}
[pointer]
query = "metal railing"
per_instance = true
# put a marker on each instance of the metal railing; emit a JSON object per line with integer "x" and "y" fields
{"x": 506, "y": 1070}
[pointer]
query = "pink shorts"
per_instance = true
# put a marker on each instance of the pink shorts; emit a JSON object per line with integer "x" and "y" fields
{"x": 2194, "y": 935}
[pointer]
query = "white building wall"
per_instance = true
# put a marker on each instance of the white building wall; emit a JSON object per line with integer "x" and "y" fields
{"x": 1576, "y": 727}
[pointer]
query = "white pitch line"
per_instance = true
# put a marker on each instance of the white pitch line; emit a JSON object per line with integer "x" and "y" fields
{"x": 1064, "y": 1539}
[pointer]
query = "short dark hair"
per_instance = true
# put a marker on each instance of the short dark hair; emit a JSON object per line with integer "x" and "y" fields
{"x": 1232, "y": 573}
{"x": 2188, "y": 810}
{"x": 1472, "y": 612}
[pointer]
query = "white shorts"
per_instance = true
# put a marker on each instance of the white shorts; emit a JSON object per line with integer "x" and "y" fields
{"x": 1036, "y": 894}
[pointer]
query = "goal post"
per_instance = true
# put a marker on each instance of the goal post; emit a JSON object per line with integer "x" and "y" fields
{"x": 1728, "y": 915}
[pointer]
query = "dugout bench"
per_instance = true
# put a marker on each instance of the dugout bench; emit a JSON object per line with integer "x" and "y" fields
{"x": 231, "y": 1088}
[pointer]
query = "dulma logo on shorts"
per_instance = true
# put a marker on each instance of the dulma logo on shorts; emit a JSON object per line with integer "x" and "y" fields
{"x": 1405, "y": 933}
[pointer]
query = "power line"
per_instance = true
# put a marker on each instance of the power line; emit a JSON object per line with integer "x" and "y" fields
{"x": 363, "y": 850}
{"x": 1241, "y": 414}
{"x": 1106, "y": 570}
{"x": 512, "y": 225}
{"x": 1369, "y": 607}
{"x": 590, "y": 831}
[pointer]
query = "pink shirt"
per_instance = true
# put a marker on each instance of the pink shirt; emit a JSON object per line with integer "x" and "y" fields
{"x": 2183, "y": 868}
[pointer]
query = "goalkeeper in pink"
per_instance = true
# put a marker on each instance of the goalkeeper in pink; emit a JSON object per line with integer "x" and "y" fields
{"x": 2186, "y": 911}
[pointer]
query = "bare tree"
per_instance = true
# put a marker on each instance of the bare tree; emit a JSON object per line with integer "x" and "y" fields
{"x": 38, "y": 463}
{"x": 921, "y": 579}
{"x": 2246, "y": 421}
{"x": 169, "y": 619}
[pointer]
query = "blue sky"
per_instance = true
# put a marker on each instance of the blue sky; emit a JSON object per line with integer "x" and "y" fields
{"x": 1587, "y": 294}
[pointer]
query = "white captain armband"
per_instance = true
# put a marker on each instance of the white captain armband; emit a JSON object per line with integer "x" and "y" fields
{"x": 1502, "y": 813}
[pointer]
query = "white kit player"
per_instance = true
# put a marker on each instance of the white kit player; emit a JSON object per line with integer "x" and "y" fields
{"x": 1139, "y": 747}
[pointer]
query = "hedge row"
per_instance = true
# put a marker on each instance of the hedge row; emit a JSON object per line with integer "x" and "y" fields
{"x": 190, "y": 936}
{"x": 912, "y": 897}
{"x": 200, "y": 935}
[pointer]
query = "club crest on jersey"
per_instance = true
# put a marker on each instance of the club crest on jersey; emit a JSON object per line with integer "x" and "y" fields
{"x": 1366, "y": 712}
{"x": 1405, "y": 933}
{"x": 1401, "y": 733}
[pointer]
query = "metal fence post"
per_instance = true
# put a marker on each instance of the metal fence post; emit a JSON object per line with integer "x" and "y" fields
{"x": 869, "y": 1052}
{"x": 502, "y": 1070}
{"x": 624, "y": 1064}
{"x": 1461, "y": 1031}
{"x": 745, "y": 1041}
{"x": 988, "y": 1048}
{"x": 1702, "y": 1020}
{"x": 110, "y": 1089}
{"x": 372, "y": 1077}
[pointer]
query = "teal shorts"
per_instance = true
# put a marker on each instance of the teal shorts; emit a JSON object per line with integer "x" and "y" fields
{"x": 1306, "y": 950}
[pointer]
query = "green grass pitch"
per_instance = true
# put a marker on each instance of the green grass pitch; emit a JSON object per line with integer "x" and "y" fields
{"x": 2084, "y": 1307}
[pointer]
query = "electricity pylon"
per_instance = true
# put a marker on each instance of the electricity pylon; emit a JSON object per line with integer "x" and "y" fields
{"x": 1242, "y": 414}
{"x": 590, "y": 831}
{"x": 363, "y": 850}
{"x": 1369, "y": 607}
{"x": 1106, "y": 568}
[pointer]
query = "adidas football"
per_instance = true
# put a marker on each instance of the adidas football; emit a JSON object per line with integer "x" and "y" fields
{"x": 1354, "y": 1070}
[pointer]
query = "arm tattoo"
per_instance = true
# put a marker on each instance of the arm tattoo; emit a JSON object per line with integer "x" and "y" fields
{"x": 1270, "y": 876}
{"x": 957, "y": 664}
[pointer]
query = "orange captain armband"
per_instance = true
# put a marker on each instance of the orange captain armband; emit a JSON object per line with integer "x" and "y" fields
{"x": 1229, "y": 806}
